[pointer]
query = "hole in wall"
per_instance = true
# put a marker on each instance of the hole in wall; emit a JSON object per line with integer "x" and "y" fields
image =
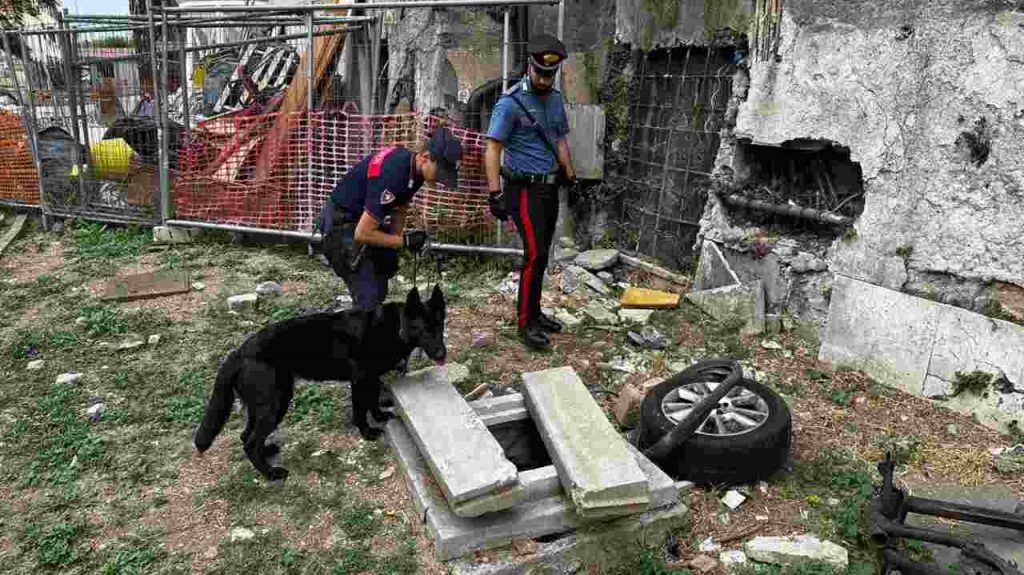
{"x": 975, "y": 144}
{"x": 802, "y": 177}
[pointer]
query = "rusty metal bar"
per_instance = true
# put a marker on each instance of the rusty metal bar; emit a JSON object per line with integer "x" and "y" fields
{"x": 786, "y": 210}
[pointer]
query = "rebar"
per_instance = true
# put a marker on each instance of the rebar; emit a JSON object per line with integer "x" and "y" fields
{"x": 786, "y": 210}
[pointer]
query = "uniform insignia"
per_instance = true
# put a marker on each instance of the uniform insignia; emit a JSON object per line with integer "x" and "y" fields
{"x": 387, "y": 220}
{"x": 387, "y": 197}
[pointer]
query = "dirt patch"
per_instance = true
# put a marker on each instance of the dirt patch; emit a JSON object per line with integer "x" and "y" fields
{"x": 338, "y": 441}
{"x": 190, "y": 529}
{"x": 319, "y": 535}
{"x": 32, "y": 264}
{"x": 295, "y": 288}
{"x": 7, "y": 545}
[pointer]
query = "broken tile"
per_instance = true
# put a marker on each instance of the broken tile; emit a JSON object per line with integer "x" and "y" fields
{"x": 733, "y": 499}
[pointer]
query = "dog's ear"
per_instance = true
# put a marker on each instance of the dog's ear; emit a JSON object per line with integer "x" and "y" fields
{"x": 437, "y": 304}
{"x": 413, "y": 301}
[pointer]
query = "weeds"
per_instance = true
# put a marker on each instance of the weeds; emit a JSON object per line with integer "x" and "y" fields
{"x": 188, "y": 408}
{"x": 313, "y": 399}
{"x": 100, "y": 320}
{"x": 55, "y": 547}
{"x": 976, "y": 383}
{"x": 70, "y": 444}
{"x": 129, "y": 562}
{"x": 905, "y": 449}
{"x": 95, "y": 240}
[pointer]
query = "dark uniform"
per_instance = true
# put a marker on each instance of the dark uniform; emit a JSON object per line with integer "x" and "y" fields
{"x": 531, "y": 174}
{"x": 379, "y": 185}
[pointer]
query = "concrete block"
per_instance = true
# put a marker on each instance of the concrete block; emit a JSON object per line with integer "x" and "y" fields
{"x": 465, "y": 458}
{"x": 739, "y": 304}
{"x": 966, "y": 341}
{"x": 886, "y": 333}
{"x": 243, "y": 301}
{"x": 597, "y": 260}
{"x": 637, "y": 316}
{"x": 600, "y": 314}
{"x": 174, "y": 235}
{"x": 500, "y": 409}
{"x": 713, "y": 270}
{"x": 594, "y": 464}
{"x": 797, "y": 550}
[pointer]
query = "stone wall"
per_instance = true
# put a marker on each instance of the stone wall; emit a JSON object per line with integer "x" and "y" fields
{"x": 928, "y": 95}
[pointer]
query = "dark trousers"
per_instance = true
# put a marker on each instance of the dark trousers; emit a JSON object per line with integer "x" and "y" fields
{"x": 367, "y": 279}
{"x": 534, "y": 208}
{"x": 369, "y": 288}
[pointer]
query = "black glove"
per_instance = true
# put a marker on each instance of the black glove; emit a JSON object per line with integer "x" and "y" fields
{"x": 496, "y": 202}
{"x": 414, "y": 240}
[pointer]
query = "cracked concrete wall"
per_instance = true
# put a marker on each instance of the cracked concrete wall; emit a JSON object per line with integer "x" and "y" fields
{"x": 418, "y": 68}
{"x": 929, "y": 97}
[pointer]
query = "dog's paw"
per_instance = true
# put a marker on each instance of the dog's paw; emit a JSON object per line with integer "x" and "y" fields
{"x": 278, "y": 474}
{"x": 371, "y": 433}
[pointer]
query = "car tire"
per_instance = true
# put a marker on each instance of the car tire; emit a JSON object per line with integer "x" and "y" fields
{"x": 712, "y": 459}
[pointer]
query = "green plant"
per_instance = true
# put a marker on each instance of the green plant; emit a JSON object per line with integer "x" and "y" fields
{"x": 976, "y": 383}
{"x": 904, "y": 448}
{"x": 26, "y": 345}
{"x": 69, "y": 446}
{"x": 128, "y": 562}
{"x": 850, "y": 235}
{"x": 93, "y": 239}
{"x": 1015, "y": 431}
{"x": 904, "y": 251}
{"x": 64, "y": 339}
{"x": 102, "y": 320}
{"x": 313, "y": 399}
{"x": 54, "y": 546}
{"x": 651, "y": 565}
{"x": 187, "y": 408}
{"x": 358, "y": 521}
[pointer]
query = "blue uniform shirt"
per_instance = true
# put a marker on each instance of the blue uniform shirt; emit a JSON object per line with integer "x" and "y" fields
{"x": 379, "y": 184}
{"x": 525, "y": 150}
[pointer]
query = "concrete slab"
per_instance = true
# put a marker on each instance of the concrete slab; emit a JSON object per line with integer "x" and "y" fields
{"x": 1003, "y": 542}
{"x": 886, "y": 333}
{"x": 713, "y": 270}
{"x": 595, "y": 466}
{"x": 967, "y": 341}
{"x": 741, "y": 304}
{"x": 466, "y": 460}
{"x": 500, "y": 409}
{"x": 12, "y": 232}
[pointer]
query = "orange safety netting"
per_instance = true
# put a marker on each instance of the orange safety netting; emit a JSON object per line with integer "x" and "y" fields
{"x": 221, "y": 179}
{"x": 19, "y": 179}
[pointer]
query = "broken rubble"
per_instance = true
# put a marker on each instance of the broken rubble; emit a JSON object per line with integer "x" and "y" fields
{"x": 703, "y": 564}
{"x": 805, "y": 262}
{"x": 568, "y": 319}
{"x": 739, "y": 304}
{"x": 242, "y": 302}
{"x": 484, "y": 339}
{"x": 599, "y": 314}
{"x": 66, "y": 378}
{"x": 709, "y": 545}
{"x": 95, "y": 412}
{"x": 154, "y": 339}
{"x": 198, "y": 286}
{"x": 606, "y": 277}
{"x": 597, "y": 260}
{"x": 637, "y": 316}
{"x": 627, "y": 406}
{"x": 593, "y": 282}
{"x": 35, "y": 365}
{"x": 269, "y": 289}
{"x": 733, "y": 499}
{"x": 649, "y": 338}
{"x": 791, "y": 551}
{"x": 457, "y": 373}
{"x": 569, "y": 281}
{"x": 732, "y": 558}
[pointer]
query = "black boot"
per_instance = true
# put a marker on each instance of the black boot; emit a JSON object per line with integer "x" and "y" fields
{"x": 534, "y": 337}
{"x": 549, "y": 324}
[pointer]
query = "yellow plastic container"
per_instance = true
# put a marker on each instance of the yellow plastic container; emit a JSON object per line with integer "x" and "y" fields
{"x": 111, "y": 159}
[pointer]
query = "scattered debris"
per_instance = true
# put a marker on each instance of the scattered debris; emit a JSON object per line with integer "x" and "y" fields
{"x": 742, "y": 304}
{"x": 733, "y": 499}
{"x": 241, "y": 534}
{"x": 606, "y": 277}
{"x": 597, "y": 260}
{"x": 805, "y": 262}
{"x": 644, "y": 298}
{"x": 131, "y": 344}
{"x": 524, "y": 546}
{"x": 1011, "y": 461}
{"x": 154, "y": 339}
{"x": 147, "y": 285}
{"x": 709, "y": 545}
{"x": 477, "y": 392}
{"x": 769, "y": 344}
{"x": 66, "y": 378}
{"x": 953, "y": 429}
{"x": 567, "y": 318}
{"x": 242, "y": 302}
{"x": 732, "y": 558}
{"x": 637, "y": 316}
{"x": 35, "y": 365}
{"x": 703, "y": 564}
{"x": 269, "y": 289}
{"x": 174, "y": 235}
{"x": 593, "y": 282}
{"x": 484, "y": 339}
{"x": 653, "y": 269}
{"x": 598, "y": 313}
{"x": 509, "y": 285}
{"x": 387, "y": 473}
{"x": 649, "y": 338}
{"x": 790, "y": 551}
{"x": 95, "y": 412}
{"x": 627, "y": 406}
{"x": 566, "y": 242}
{"x": 198, "y": 286}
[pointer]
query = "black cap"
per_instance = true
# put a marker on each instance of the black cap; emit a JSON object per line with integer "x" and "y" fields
{"x": 446, "y": 151}
{"x": 546, "y": 52}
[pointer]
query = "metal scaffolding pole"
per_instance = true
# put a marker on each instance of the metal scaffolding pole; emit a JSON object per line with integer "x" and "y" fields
{"x": 342, "y": 6}
{"x": 158, "y": 110}
{"x": 271, "y": 39}
{"x": 33, "y": 126}
{"x": 71, "y": 80}
{"x": 506, "y": 27}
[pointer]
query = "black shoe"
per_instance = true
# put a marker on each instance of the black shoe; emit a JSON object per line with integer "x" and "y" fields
{"x": 534, "y": 337}
{"x": 549, "y": 324}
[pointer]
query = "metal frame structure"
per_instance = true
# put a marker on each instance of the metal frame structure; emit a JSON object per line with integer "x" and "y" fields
{"x": 158, "y": 50}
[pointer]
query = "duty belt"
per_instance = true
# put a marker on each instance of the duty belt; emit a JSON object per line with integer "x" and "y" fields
{"x": 551, "y": 178}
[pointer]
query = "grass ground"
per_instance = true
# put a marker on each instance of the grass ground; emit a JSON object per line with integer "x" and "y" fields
{"x": 125, "y": 494}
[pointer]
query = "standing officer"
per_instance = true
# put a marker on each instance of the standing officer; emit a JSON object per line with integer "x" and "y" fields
{"x": 529, "y": 125}
{"x": 363, "y": 219}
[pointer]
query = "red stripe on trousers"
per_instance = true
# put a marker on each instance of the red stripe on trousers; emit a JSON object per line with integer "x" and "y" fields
{"x": 531, "y": 259}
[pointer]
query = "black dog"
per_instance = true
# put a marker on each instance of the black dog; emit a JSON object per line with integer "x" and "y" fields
{"x": 358, "y": 346}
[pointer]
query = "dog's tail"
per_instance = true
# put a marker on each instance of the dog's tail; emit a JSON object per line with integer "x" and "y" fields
{"x": 219, "y": 407}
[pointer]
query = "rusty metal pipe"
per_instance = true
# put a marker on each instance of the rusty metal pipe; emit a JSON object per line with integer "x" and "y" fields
{"x": 786, "y": 210}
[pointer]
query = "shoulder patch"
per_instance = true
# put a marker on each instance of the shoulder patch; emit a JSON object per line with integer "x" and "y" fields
{"x": 386, "y": 198}
{"x": 377, "y": 162}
